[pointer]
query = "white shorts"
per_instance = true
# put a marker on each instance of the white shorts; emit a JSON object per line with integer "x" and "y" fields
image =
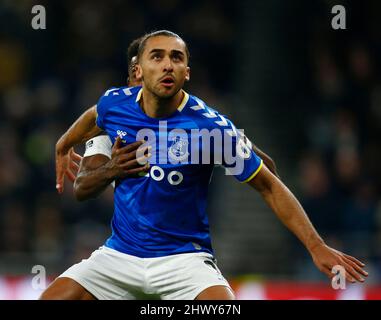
{"x": 111, "y": 275}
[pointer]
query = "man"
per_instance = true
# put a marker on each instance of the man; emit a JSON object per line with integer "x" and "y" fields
{"x": 160, "y": 242}
{"x": 99, "y": 149}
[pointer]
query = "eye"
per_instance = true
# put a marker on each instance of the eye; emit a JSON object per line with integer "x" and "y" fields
{"x": 177, "y": 58}
{"x": 156, "y": 57}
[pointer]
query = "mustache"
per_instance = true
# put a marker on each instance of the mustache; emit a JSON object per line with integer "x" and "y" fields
{"x": 167, "y": 76}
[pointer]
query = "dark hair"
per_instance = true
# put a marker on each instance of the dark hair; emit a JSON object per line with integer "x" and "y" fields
{"x": 132, "y": 52}
{"x": 133, "y": 49}
{"x": 158, "y": 33}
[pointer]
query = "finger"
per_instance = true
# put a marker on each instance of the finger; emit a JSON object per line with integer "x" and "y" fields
{"x": 130, "y": 147}
{"x": 346, "y": 272}
{"x": 352, "y": 272}
{"x": 74, "y": 166}
{"x": 143, "y": 160}
{"x": 75, "y": 156}
{"x": 70, "y": 175}
{"x": 349, "y": 278}
{"x": 354, "y": 260}
{"x": 117, "y": 143}
{"x": 328, "y": 272}
{"x": 127, "y": 160}
{"x": 60, "y": 182}
{"x": 60, "y": 174}
{"x": 133, "y": 154}
{"x": 356, "y": 267}
{"x": 139, "y": 162}
{"x": 137, "y": 170}
{"x": 143, "y": 150}
{"x": 126, "y": 157}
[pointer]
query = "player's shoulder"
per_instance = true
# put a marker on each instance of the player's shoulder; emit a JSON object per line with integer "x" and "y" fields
{"x": 120, "y": 94}
{"x": 204, "y": 115}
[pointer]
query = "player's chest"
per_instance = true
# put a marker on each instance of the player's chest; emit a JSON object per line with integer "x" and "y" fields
{"x": 172, "y": 141}
{"x": 180, "y": 155}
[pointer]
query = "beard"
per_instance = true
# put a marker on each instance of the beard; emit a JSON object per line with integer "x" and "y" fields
{"x": 162, "y": 92}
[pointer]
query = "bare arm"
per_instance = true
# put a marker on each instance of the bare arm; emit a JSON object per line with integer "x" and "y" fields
{"x": 290, "y": 212}
{"x": 267, "y": 160}
{"x": 82, "y": 129}
{"x": 98, "y": 171}
{"x": 92, "y": 178}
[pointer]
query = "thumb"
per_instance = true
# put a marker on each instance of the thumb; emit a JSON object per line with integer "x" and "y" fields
{"x": 117, "y": 143}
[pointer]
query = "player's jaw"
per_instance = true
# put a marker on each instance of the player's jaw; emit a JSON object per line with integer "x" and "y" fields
{"x": 163, "y": 66}
{"x": 168, "y": 85}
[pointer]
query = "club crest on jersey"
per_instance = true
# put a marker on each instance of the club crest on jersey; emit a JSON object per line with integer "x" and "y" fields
{"x": 178, "y": 151}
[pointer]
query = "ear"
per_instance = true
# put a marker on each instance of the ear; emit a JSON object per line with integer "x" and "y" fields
{"x": 140, "y": 78}
{"x": 139, "y": 72}
{"x": 187, "y": 76}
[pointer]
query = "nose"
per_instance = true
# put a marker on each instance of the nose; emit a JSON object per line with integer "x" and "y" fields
{"x": 168, "y": 66}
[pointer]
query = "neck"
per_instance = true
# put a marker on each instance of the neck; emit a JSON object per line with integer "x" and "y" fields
{"x": 156, "y": 107}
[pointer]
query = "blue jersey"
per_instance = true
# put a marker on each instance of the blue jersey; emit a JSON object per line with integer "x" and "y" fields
{"x": 164, "y": 211}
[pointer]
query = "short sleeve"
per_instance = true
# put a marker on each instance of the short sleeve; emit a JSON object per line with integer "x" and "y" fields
{"x": 98, "y": 145}
{"x": 237, "y": 154}
{"x": 102, "y": 107}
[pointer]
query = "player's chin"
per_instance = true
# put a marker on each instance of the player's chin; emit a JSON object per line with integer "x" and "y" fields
{"x": 167, "y": 92}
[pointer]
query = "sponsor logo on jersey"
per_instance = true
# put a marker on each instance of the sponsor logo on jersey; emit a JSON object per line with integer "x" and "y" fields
{"x": 121, "y": 133}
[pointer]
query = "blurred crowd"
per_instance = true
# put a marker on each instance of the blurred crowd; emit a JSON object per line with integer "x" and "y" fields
{"x": 49, "y": 77}
{"x": 339, "y": 171}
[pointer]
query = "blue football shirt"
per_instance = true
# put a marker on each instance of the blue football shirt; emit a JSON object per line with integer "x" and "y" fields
{"x": 164, "y": 212}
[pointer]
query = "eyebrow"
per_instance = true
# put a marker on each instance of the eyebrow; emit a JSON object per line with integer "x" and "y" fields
{"x": 162, "y": 50}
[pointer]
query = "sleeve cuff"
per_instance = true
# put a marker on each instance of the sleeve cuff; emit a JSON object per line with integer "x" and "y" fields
{"x": 255, "y": 173}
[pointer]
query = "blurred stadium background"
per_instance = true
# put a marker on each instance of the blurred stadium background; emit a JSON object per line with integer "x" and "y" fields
{"x": 304, "y": 93}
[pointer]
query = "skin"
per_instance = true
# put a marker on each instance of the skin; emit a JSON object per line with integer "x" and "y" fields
{"x": 288, "y": 209}
{"x": 159, "y": 60}
{"x": 164, "y": 58}
{"x": 97, "y": 172}
{"x": 83, "y": 129}
{"x": 66, "y": 289}
{"x": 174, "y": 65}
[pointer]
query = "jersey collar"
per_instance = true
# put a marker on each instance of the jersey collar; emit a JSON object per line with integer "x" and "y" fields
{"x": 179, "y": 108}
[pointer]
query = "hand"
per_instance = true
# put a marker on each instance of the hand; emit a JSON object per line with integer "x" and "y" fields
{"x": 325, "y": 258}
{"x": 75, "y": 160}
{"x": 66, "y": 164}
{"x": 129, "y": 160}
